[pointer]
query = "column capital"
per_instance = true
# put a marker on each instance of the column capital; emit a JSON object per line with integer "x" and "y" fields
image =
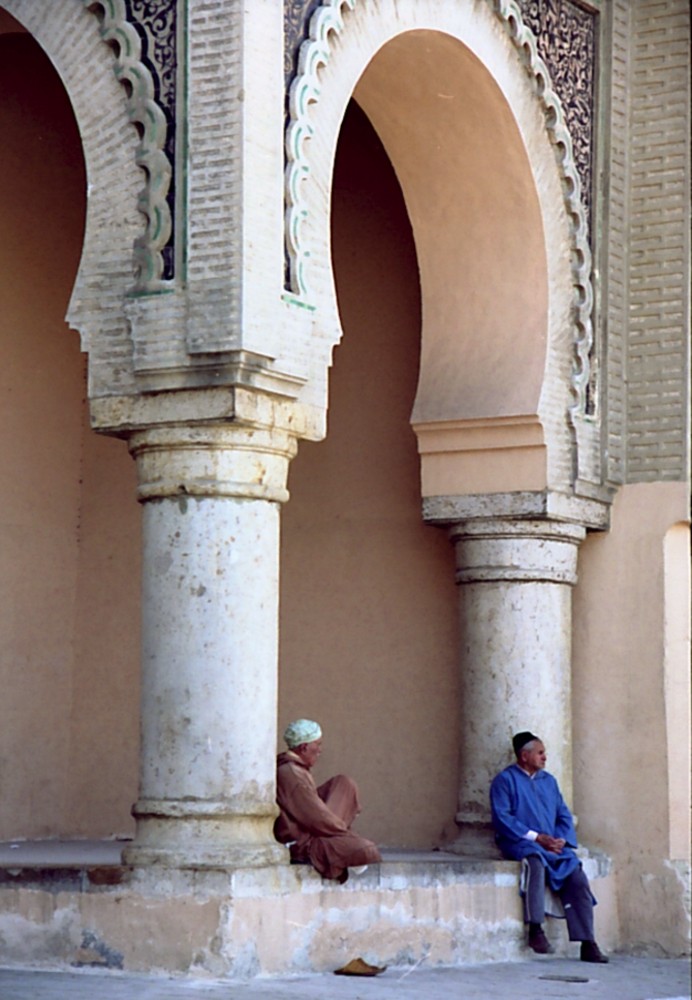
{"x": 528, "y": 505}
{"x": 495, "y": 550}
{"x": 250, "y": 405}
{"x": 212, "y": 460}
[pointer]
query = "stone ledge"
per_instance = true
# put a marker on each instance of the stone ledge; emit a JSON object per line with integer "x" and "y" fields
{"x": 63, "y": 910}
{"x": 79, "y": 865}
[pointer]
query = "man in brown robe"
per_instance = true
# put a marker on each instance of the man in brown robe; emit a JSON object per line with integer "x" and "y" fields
{"x": 315, "y": 822}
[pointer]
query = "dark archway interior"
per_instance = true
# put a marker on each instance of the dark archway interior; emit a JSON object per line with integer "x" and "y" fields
{"x": 368, "y": 619}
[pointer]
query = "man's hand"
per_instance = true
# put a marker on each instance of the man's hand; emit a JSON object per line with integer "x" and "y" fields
{"x": 552, "y": 844}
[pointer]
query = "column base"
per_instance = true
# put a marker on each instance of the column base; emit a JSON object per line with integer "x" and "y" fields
{"x": 475, "y": 840}
{"x": 179, "y": 834}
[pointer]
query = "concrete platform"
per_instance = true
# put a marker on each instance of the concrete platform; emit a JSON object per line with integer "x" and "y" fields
{"x": 74, "y": 905}
{"x": 549, "y": 979}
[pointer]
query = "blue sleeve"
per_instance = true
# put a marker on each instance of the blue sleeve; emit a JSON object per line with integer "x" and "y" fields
{"x": 503, "y": 807}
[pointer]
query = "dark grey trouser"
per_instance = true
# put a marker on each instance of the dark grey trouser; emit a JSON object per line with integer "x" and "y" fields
{"x": 575, "y": 895}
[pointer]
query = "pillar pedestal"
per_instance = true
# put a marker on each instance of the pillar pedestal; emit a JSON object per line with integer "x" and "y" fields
{"x": 211, "y": 498}
{"x": 515, "y": 580}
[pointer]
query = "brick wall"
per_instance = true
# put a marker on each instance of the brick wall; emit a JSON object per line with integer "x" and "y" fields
{"x": 615, "y": 196}
{"x": 657, "y": 363}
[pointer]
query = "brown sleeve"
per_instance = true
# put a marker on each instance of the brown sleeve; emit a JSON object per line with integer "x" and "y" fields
{"x": 297, "y": 796}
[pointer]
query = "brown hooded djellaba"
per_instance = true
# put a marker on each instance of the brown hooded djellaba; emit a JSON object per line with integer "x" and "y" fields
{"x": 316, "y": 821}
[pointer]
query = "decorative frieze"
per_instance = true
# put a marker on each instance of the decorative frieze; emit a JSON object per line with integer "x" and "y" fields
{"x": 565, "y": 33}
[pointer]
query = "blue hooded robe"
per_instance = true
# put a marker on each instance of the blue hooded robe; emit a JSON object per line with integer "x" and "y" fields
{"x": 519, "y": 804}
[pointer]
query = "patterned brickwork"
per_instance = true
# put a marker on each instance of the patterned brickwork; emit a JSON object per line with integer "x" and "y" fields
{"x": 215, "y": 135}
{"x": 657, "y": 367}
{"x": 616, "y": 249}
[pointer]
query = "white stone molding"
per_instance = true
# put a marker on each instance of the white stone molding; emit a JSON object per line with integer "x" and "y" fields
{"x": 212, "y": 461}
{"x": 262, "y": 410}
{"x": 533, "y": 504}
{"x": 144, "y": 112}
{"x": 305, "y": 90}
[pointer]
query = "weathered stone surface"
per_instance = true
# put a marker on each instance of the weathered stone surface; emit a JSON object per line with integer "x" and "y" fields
{"x": 283, "y": 920}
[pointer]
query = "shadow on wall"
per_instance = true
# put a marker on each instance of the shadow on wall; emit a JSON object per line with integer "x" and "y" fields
{"x": 69, "y": 546}
{"x": 368, "y": 604}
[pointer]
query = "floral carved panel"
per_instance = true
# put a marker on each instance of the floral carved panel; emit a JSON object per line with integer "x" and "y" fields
{"x": 566, "y": 33}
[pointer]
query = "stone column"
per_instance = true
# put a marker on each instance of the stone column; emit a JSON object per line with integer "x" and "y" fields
{"x": 515, "y": 580}
{"x": 211, "y": 497}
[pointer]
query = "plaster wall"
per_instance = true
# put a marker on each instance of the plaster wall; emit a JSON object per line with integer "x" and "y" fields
{"x": 476, "y": 218}
{"x": 104, "y": 715}
{"x": 368, "y": 604}
{"x": 68, "y": 523}
{"x": 631, "y": 708}
{"x": 40, "y": 442}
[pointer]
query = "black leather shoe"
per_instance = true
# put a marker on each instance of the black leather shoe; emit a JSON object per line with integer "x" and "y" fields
{"x": 540, "y": 943}
{"x": 590, "y": 952}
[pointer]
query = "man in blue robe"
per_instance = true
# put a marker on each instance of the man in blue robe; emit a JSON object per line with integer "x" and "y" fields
{"x": 533, "y": 825}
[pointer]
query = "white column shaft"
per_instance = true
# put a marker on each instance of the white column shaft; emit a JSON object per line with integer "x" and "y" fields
{"x": 210, "y": 649}
{"x": 515, "y": 580}
{"x": 210, "y": 644}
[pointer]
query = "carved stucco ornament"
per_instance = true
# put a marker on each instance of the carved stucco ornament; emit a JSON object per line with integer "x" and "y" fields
{"x": 327, "y": 22}
{"x": 566, "y": 36}
{"x": 150, "y": 121}
{"x": 304, "y": 91}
